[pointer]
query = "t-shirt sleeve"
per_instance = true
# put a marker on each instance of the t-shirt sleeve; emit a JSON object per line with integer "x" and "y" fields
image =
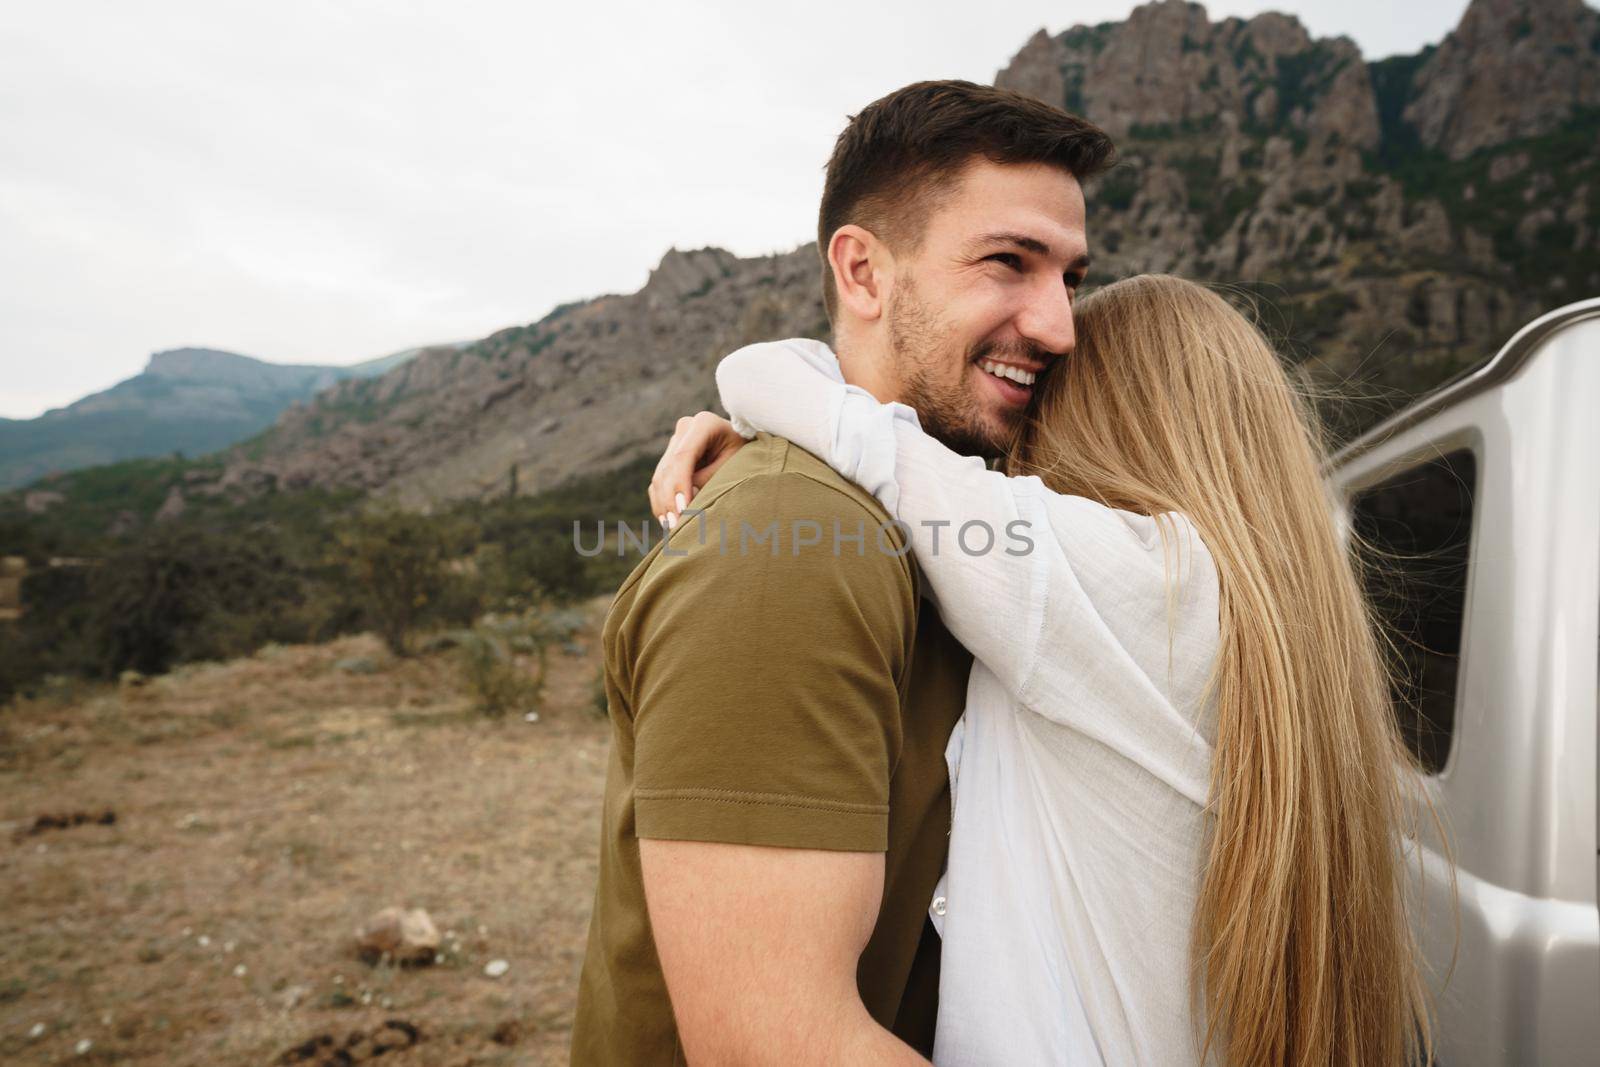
{"x": 766, "y": 672}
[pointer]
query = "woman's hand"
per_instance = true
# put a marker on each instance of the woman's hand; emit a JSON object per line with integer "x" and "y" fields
{"x": 700, "y": 445}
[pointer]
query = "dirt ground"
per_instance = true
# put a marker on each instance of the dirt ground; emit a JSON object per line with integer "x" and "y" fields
{"x": 264, "y": 808}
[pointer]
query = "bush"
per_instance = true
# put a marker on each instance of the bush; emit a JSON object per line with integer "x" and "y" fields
{"x": 52, "y": 635}
{"x": 395, "y": 562}
{"x": 536, "y": 535}
{"x": 495, "y": 676}
{"x": 175, "y": 591}
{"x": 544, "y": 564}
{"x": 183, "y": 594}
{"x": 560, "y": 624}
{"x": 15, "y": 669}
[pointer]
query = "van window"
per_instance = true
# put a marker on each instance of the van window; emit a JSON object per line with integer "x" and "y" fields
{"x": 1420, "y": 523}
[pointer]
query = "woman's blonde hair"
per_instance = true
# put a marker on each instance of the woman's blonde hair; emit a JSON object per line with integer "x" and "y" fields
{"x": 1303, "y": 949}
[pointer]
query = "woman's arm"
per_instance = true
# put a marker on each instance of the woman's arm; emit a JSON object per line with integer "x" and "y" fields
{"x": 794, "y": 389}
{"x": 983, "y": 539}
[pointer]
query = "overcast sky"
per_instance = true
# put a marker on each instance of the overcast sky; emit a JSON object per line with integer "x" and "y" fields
{"x": 317, "y": 182}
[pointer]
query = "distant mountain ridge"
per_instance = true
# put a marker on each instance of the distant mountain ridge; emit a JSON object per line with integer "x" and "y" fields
{"x": 189, "y": 400}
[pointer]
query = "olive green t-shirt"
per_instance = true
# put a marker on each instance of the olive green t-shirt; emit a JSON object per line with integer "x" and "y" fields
{"x": 771, "y": 680}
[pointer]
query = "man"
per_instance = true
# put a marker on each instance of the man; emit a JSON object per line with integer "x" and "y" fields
{"x": 777, "y": 804}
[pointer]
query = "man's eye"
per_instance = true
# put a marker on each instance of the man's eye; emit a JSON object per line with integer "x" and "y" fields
{"x": 1010, "y": 259}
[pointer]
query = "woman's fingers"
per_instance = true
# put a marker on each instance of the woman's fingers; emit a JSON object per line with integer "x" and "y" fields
{"x": 679, "y": 471}
{"x": 671, "y": 484}
{"x": 697, "y": 459}
{"x": 660, "y": 494}
{"x": 700, "y": 445}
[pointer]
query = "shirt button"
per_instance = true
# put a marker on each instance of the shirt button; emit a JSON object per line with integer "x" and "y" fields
{"x": 939, "y": 905}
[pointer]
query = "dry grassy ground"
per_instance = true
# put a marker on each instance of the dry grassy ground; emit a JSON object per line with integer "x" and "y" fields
{"x": 264, "y": 808}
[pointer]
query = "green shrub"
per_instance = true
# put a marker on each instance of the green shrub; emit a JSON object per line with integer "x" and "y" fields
{"x": 395, "y": 562}
{"x": 496, "y": 677}
{"x": 182, "y": 593}
{"x": 15, "y": 668}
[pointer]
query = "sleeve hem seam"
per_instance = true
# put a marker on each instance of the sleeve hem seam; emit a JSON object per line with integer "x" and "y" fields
{"x": 779, "y": 800}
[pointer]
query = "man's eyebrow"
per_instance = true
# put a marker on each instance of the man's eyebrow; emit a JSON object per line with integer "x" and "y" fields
{"x": 1080, "y": 265}
{"x": 1021, "y": 240}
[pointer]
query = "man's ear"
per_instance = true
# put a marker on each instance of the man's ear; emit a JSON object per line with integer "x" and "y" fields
{"x": 862, "y": 268}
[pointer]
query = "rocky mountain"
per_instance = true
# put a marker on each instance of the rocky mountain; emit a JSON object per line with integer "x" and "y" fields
{"x": 1396, "y": 219}
{"x": 1401, "y": 218}
{"x": 191, "y": 400}
{"x": 587, "y": 388}
{"x": 1512, "y": 69}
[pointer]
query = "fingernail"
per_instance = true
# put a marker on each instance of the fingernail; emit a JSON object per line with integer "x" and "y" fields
{"x": 662, "y": 519}
{"x": 672, "y": 521}
{"x": 680, "y": 501}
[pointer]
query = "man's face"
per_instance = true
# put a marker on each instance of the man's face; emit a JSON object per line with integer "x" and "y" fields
{"x": 985, "y": 305}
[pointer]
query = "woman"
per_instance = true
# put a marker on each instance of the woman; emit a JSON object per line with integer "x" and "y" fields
{"x": 1177, "y": 787}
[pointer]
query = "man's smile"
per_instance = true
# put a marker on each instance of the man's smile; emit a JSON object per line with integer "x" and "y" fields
{"x": 1011, "y": 382}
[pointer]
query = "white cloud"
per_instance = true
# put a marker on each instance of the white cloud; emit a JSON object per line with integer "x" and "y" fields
{"x": 322, "y": 182}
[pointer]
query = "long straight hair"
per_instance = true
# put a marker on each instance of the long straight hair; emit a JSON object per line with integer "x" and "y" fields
{"x": 1303, "y": 951}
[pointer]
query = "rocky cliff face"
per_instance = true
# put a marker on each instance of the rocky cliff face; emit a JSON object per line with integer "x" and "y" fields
{"x": 1168, "y": 65}
{"x": 1401, "y": 218}
{"x": 590, "y": 386}
{"x": 1512, "y": 69}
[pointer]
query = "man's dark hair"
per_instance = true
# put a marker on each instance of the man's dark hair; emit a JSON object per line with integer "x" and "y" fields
{"x": 896, "y": 159}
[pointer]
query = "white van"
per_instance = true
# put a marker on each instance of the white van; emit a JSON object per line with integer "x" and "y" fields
{"x": 1488, "y": 492}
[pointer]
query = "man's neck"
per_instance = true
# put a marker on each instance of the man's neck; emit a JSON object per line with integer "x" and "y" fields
{"x": 863, "y": 368}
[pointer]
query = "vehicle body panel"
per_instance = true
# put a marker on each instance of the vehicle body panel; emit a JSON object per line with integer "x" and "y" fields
{"x": 1517, "y": 793}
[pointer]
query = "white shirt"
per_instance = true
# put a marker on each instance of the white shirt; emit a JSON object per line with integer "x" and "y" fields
{"x": 1080, "y": 769}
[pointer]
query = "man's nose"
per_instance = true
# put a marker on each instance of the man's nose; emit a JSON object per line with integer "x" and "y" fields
{"x": 1047, "y": 319}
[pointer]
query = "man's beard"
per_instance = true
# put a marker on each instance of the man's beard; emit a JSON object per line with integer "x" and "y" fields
{"x": 919, "y": 343}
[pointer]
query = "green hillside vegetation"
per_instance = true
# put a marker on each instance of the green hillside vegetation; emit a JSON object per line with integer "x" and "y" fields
{"x": 32, "y": 448}
{"x": 223, "y": 579}
{"x": 1560, "y": 167}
